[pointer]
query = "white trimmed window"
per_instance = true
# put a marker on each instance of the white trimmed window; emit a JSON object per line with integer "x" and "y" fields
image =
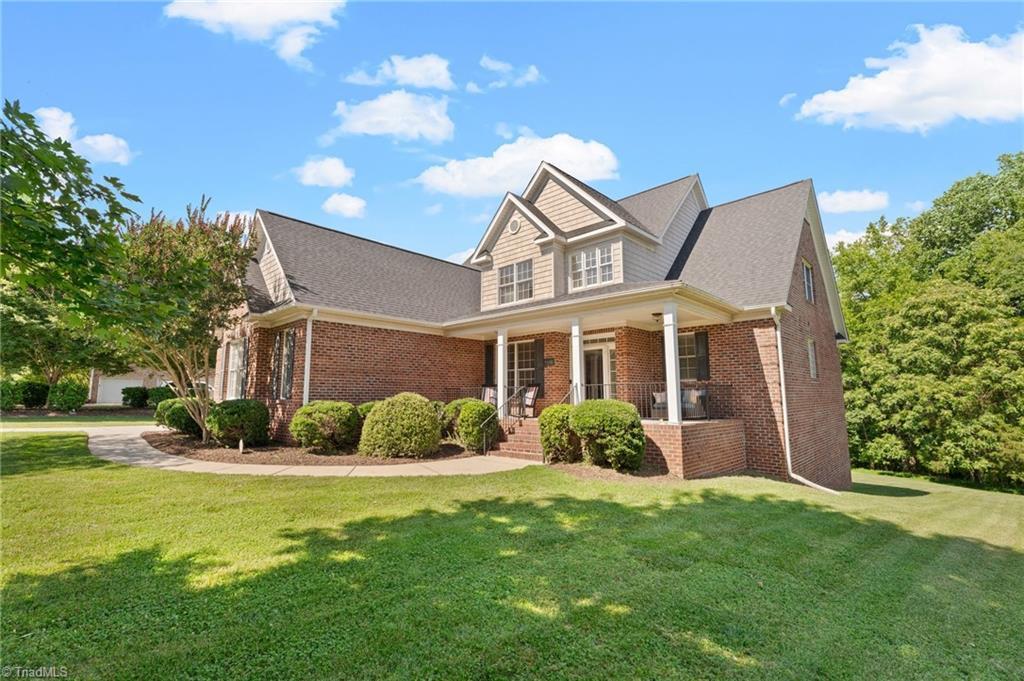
{"x": 687, "y": 357}
{"x": 591, "y": 267}
{"x": 234, "y": 390}
{"x": 515, "y": 282}
{"x": 812, "y": 358}
{"x": 521, "y": 364}
{"x": 808, "y": 281}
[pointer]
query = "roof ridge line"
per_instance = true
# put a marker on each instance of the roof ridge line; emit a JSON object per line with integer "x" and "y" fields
{"x": 766, "y": 191}
{"x": 657, "y": 186}
{"x": 368, "y": 240}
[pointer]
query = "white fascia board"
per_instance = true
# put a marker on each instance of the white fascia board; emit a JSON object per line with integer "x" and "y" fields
{"x": 825, "y": 258}
{"x": 494, "y": 226}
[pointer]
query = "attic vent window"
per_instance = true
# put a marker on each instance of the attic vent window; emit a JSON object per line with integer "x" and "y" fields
{"x": 513, "y": 227}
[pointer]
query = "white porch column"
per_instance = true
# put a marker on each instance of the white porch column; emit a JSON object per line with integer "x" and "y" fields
{"x": 501, "y": 369}
{"x": 576, "y": 360}
{"x": 308, "y": 357}
{"x": 670, "y": 322}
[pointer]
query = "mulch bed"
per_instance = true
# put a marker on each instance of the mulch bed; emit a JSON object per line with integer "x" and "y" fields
{"x": 587, "y": 472}
{"x": 185, "y": 445}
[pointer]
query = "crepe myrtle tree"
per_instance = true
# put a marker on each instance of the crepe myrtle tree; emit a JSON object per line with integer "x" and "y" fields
{"x": 183, "y": 280}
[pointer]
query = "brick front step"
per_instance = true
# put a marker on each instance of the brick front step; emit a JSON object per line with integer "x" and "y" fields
{"x": 514, "y": 454}
{"x": 520, "y": 446}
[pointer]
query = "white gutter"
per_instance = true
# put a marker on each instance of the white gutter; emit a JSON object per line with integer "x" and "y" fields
{"x": 309, "y": 355}
{"x": 785, "y": 410}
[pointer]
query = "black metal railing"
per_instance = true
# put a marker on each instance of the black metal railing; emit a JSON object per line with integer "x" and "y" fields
{"x": 697, "y": 399}
{"x": 509, "y": 412}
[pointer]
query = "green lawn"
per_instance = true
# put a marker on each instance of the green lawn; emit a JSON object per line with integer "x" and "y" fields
{"x": 72, "y": 420}
{"x": 121, "y": 572}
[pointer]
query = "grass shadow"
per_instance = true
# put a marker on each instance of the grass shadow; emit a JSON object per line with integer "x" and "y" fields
{"x": 886, "y": 490}
{"x": 56, "y": 452}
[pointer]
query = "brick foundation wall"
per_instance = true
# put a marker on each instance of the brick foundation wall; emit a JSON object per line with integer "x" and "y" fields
{"x": 696, "y": 449}
{"x": 817, "y": 415}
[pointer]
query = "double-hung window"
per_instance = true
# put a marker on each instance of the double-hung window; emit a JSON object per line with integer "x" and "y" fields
{"x": 808, "y": 281}
{"x": 812, "y": 358}
{"x": 234, "y": 390}
{"x": 521, "y": 364}
{"x": 591, "y": 266}
{"x": 515, "y": 282}
{"x": 694, "y": 364}
{"x": 283, "y": 365}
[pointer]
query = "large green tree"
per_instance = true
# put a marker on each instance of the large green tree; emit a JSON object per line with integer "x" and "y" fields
{"x": 934, "y": 305}
{"x": 182, "y": 281}
{"x": 58, "y": 224}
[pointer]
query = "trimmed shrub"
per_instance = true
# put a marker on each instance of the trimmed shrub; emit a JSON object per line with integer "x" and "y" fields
{"x": 68, "y": 395}
{"x": 365, "y": 408}
{"x": 34, "y": 393}
{"x": 610, "y": 433}
{"x": 173, "y": 414}
{"x": 158, "y": 395}
{"x": 477, "y": 424}
{"x": 325, "y": 425}
{"x": 558, "y": 440}
{"x": 450, "y": 416}
{"x": 234, "y": 420}
{"x": 403, "y": 425}
{"x": 134, "y": 397}
{"x": 10, "y": 394}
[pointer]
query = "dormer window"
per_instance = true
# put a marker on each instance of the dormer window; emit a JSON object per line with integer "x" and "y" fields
{"x": 515, "y": 282}
{"x": 591, "y": 266}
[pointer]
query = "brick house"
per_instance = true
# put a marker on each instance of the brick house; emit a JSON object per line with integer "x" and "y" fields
{"x": 582, "y": 296}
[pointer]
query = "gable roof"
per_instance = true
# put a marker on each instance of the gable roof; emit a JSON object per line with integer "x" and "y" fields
{"x": 610, "y": 204}
{"x": 654, "y": 208}
{"x": 325, "y": 267}
{"x": 743, "y": 251}
{"x": 257, "y": 294}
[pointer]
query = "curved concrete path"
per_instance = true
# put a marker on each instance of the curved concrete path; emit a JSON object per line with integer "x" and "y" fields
{"x": 124, "y": 444}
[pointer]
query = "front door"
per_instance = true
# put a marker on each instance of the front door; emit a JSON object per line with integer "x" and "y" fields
{"x": 593, "y": 374}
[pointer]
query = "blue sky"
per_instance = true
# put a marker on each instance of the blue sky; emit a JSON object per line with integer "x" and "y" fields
{"x": 231, "y": 101}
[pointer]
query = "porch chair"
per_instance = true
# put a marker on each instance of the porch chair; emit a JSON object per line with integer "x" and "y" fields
{"x": 530, "y": 400}
{"x": 659, "y": 405}
{"x": 489, "y": 393}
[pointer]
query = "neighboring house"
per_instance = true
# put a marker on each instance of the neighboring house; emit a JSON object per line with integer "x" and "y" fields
{"x": 104, "y": 389}
{"x": 582, "y": 296}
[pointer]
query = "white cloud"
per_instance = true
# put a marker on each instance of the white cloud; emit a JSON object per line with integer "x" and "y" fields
{"x": 852, "y": 201}
{"x": 495, "y": 65}
{"x": 400, "y": 114}
{"x": 841, "y": 236}
{"x": 512, "y": 164}
{"x": 345, "y": 205}
{"x": 291, "y": 26}
{"x": 324, "y": 172}
{"x": 433, "y": 209}
{"x": 786, "y": 98}
{"x": 504, "y": 131}
{"x": 460, "y": 256}
{"x": 917, "y": 206}
{"x": 507, "y": 75}
{"x": 102, "y": 148}
{"x": 425, "y": 71}
{"x": 923, "y": 85}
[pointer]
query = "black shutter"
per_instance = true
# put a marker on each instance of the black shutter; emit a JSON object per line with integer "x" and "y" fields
{"x": 275, "y": 369}
{"x": 289, "y": 367}
{"x": 703, "y": 365}
{"x": 489, "y": 364}
{"x": 244, "y": 377}
{"x": 538, "y": 365}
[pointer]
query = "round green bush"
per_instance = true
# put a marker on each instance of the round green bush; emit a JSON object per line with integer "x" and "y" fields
{"x": 173, "y": 414}
{"x": 68, "y": 395}
{"x": 325, "y": 425}
{"x": 610, "y": 432}
{"x": 33, "y": 393}
{"x": 134, "y": 396}
{"x": 403, "y": 425}
{"x": 10, "y": 394}
{"x": 557, "y": 439}
{"x": 234, "y": 420}
{"x": 450, "y": 415}
{"x": 477, "y": 425}
{"x": 158, "y": 395}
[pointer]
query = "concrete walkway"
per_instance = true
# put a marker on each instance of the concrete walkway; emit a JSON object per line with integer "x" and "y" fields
{"x": 124, "y": 444}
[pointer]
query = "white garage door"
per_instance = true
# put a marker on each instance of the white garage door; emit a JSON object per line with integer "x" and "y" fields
{"x": 110, "y": 389}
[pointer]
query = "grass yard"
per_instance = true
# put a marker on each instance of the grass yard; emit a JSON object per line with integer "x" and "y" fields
{"x": 120, "y": 572}
{"x": 65, "y": 421}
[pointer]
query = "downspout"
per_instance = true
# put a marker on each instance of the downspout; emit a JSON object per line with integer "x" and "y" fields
{"x": 309, "y": 356}
{"x": 785, "y": 410}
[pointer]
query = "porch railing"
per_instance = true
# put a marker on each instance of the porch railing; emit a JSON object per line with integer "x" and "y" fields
{"x": 509, "y": 411}
{"x": 697, "y": 399}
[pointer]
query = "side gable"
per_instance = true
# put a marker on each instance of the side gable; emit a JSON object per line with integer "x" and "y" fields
{"x": 275, "y": 282}
{"x": 824, "y": 257}
{"x": 546, "y": 230}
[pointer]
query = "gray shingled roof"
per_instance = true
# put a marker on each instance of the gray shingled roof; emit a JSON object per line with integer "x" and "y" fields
{"x": 743, "y": 251}
{"x": 655, "y": 207}
{"x": 608, "y": 203}
{"x": 338, "y": 270}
